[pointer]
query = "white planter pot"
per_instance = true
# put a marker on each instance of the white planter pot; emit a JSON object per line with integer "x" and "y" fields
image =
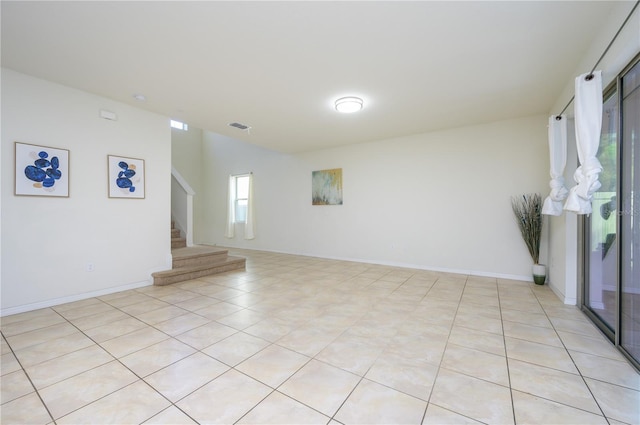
{"x": 539, "y": 274}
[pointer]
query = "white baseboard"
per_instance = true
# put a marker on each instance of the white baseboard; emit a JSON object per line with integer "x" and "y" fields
{"x": 438, "y": 269}
{"x": 72, "y": 298}
{"x": 392, "y": 264}
{"x": 562, "y": 297}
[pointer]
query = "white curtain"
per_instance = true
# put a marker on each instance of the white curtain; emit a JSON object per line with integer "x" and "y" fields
{"x": 588, "y": 116}
{"x": 231, "y": 209}
{"x": 558, "y": 160}
{"x": 249, "y": 226}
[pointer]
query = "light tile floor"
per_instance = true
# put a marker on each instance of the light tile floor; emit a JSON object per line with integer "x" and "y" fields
{"x": 304, "y": 340}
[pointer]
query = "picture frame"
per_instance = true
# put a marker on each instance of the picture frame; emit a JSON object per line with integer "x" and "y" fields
{"x": 41, "y": 171}
{"x": 326, "y": 187}
{"x": 126, "y": 177}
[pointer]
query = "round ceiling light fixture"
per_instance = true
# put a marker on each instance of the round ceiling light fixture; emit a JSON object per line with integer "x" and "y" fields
{"x": 348, "y": 104}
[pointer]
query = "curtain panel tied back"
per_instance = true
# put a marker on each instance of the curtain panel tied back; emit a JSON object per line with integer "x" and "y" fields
{"x": 588, "y": 117}
{"x": 231, "y": 209}
{"x": 249, "y": 225}
{"x": 558, "y": 160}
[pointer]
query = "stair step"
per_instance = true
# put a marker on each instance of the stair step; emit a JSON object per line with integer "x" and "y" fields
{"x": 182, "y": 274}
{"x": 175, "y": 233}
{"x": 178, "y": 243}
{"x": 196, "y": 261}
{"x": 197, "y": 255}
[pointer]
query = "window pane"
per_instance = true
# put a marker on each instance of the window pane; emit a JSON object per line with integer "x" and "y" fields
{"x": 241, "y": 210}
{"x": 602, "y": 224}
{"x": 242, "y": 187}
{"x": 629, "y": 210}
{"x": 177, "y": 124}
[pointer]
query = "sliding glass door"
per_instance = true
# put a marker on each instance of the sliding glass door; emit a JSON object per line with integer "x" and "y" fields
{"x": 629, "y": 214}
{"x": 612, "y": 231}
{"x": 602, "y": 234}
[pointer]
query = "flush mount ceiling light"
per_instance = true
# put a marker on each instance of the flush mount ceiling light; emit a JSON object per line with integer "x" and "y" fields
{"x": 348, "y": 104}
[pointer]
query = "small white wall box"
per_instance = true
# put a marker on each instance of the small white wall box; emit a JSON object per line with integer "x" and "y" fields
{"x": 108, "y": 115}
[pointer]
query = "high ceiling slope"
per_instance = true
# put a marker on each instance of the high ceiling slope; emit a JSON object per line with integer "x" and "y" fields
{"x": 278, "y": 66}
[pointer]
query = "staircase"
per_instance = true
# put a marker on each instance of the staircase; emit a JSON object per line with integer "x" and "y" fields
{"x": 176, "y": 240}
{"x": 196, "y": 261}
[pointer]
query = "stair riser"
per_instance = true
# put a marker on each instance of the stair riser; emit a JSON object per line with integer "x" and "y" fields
{"x": 168, "y": 280}
{"x": 181, "y": 243}
{"x": 187, "y": 265}
{"x": 212, "y": 259}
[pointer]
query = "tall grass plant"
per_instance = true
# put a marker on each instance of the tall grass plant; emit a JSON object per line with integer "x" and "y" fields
{"x": 527, "y": 209}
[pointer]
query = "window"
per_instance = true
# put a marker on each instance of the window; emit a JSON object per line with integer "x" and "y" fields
{"x": 179, "y": 125}
{"x": 240, "y": 205}
{"x": 241, "y": 197}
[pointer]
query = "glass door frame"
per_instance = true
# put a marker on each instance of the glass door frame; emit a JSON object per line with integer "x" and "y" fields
{"x": 614, "y": 88}
{"x": 584, "y": 240}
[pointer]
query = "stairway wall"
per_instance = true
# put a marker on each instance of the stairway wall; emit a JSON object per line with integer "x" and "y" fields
{"x": 187, "y": 159}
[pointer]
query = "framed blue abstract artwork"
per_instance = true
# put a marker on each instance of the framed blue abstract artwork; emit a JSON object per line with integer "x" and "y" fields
{"x": 126, "y": 177}
{"x": 41, "y": 171}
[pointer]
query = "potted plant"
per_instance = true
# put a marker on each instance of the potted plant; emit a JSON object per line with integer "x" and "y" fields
{"x": 528, "y": 211}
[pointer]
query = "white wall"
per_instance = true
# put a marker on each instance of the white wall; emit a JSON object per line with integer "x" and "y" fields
{"x": 563, "y": 249}
{"x": 437, "y": 201}
{"x": 562, "y": 233}
{"x": 47, "y": 243}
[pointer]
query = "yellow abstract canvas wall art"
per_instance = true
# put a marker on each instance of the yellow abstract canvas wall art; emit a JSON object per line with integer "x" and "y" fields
{"x": 326, "y": 186}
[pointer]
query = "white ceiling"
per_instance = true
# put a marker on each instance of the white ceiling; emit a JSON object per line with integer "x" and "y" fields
{"x": 278, "y": 66}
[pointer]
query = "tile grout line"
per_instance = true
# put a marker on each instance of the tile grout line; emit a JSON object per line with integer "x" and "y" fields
{"x": 573, "y": 361}
{"x": 140, "y": 378}
{"x": 362, "y": 377}
{"x": 117, "y": 359}
{"x": 435, "y": 379}
{"x": 506, "y": 355}
{"x": 35, "y": 389}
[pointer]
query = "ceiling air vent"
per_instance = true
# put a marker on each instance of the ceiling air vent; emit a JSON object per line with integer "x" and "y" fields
{"x": 238, "y": 125}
